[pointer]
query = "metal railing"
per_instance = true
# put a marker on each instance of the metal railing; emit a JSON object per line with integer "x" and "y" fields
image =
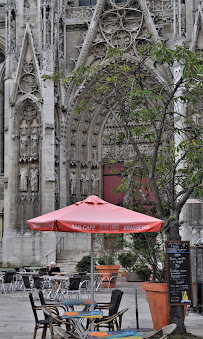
{"x": 58, "y": 250}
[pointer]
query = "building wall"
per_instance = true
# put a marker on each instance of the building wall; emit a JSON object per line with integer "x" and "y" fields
{"x": 52, "y": 157}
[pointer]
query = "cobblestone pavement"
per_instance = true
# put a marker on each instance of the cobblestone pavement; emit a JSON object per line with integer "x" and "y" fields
{"x": 17, "y": 321}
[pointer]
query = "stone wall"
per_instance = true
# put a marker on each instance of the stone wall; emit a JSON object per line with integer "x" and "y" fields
{"x": 53, "y": 157}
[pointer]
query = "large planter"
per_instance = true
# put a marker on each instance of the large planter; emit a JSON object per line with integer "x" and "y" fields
{"x": 134, "y": 276}
{"x": 107, "y": 270}
{"x": 157, "y": 296}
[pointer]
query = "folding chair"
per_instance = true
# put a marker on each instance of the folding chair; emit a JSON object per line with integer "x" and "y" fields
{"x": 73, "y": 287}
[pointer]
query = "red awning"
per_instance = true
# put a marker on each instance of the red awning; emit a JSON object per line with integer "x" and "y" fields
{"x": 94, "y": 215}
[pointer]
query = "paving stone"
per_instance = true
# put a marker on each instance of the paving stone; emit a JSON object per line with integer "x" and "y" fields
{"x": 17, "y": 320}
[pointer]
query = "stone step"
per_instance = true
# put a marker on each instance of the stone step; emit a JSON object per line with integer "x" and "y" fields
{"x": 67, "y": 260}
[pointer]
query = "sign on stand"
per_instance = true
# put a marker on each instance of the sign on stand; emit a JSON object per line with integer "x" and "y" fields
{"x": 179, "y": 272}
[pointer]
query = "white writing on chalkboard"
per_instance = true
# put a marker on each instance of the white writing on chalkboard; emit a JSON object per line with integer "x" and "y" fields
{"x": 178, "y": 272}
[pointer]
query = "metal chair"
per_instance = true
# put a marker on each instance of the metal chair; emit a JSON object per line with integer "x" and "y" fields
{"x": 163, "y": 333}
{"x": 36, "y": 285}
{"x": 73, "y": 287}
{"x": 17, "y": 282}
{"x": 43, "y": 323}
{"x": 2, "y": 284}
{"x": 7, "y": 282}
{"x": 85, "y": 285}
{"x": 50, "y": 304}
{"x": 53, "y": 319}
{"x": 114, "y": 303}
{"x": 27, "y": 284}
{"x": 112, "y": 308}
{"x": 111, "y": 322}
{"x": 112, "y": 279}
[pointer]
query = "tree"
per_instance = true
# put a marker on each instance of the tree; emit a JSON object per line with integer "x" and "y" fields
{"x": 157, "y": 111}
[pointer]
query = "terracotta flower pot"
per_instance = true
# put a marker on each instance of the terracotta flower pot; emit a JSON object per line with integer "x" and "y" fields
{"x": 157, "y": 296}
{"x": 107, "y": 270}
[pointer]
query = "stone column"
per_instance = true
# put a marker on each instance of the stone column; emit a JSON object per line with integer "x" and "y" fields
{"x": 48, "y": 161}
{"x": 189, "y": 18}
{"x": 10, "y": 169}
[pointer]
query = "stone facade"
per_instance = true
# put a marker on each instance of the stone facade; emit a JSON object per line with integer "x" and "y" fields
{"x": 49, "y": 155}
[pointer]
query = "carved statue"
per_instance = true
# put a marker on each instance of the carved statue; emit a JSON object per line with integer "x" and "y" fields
{"x": 94, "y": 153}
{"x": 84, "y": 183}
{"x": 94, "y": 183}
{"x": 34, "y": 144}
{"x": 34, "y": 178}
{"x": 73, "y": 183}
{"x": 23, "y": 179}
{"x": 23, "y": 144}
{"x": 56, "y": 177}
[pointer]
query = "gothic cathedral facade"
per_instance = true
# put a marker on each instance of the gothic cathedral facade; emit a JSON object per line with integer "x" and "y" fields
{"x": 50, "y": 156}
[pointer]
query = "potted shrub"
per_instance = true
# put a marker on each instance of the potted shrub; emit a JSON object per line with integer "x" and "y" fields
{"x": 108, "y": 246}
{"x": 150, "y": 251}
{"x": 84, "y": 265}
{"x": 135, "y": 271}
{"x": 128, "y": 261}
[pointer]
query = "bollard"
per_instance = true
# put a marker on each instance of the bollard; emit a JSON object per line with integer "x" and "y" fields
{"x": 136, "y": 309}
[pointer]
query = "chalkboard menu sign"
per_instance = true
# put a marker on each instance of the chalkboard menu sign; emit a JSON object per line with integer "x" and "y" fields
{"x": 179, "y": 272}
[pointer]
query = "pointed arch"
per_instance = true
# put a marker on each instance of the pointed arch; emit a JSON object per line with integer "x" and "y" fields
{"x": 86, "y": 131}
{"x": 28, "y": 80}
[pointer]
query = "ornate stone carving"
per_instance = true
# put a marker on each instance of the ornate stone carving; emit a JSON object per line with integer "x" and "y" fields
{"x": 61, "y": 38}
{"x": 73, "y": 182}
{"x": 94, "y": 183}
{"x": 119, "y": 27}
{"x": 34, "y": 178}
{"x": 23, "y": 145}
{"x": 13, "y": 31}
{"x": 84, "y": 183}
{"x": 23, "y": 184}
{"x": 28, "y": 83}
{"x": 79, "y": 13}
{"x": 34, "y": 144}
{"x": 29, "y": 113}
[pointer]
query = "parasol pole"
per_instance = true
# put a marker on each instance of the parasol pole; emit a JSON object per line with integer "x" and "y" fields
{"x": 92, "y": 277}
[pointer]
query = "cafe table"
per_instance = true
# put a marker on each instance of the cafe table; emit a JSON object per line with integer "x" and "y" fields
{"x": 58, "y": 288}
{"x": 86, "y": 303}
{"x": 114, "y": 334}
{"x": 78, "y": 316}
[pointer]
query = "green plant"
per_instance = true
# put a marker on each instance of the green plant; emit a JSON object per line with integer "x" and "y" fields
{"x": 108, "y": 246}
{"x": 128, "y": 260}
{"x": 84, "y": 265}
{"x": 158, "y": 115}
{"x": 143, "y": 271}
{"x": 149, "y": 249}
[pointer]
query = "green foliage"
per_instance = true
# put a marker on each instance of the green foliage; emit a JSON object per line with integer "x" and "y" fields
{"x": 166, "y": 159}
{"x": 84, "y": 265}
{"x": 108, "y": 246}
{"x": 128, "y": 260}
{"x": 144, "y": 271}
{"x": 149, "y": 250}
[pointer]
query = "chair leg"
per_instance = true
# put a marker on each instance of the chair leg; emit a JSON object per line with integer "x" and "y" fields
{"x": 44, "y": 332}
{"x": 35, "y": 332}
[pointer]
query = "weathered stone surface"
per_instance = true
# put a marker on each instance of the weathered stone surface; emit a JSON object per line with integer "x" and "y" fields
{"x": 49, "y": 156}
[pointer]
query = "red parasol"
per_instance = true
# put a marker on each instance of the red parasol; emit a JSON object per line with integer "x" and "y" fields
{"x": 94, "y": 215}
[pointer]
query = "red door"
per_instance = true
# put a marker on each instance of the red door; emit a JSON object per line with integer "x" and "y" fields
{"x": 111, "y": 180}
